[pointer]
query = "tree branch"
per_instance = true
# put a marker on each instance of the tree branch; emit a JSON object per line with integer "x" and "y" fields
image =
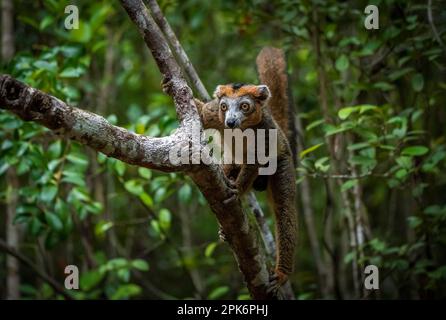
{"x": 179, "y": 51}
{"x": 239, "y": 231}
{"x": 92, "y": 130}
{"x": 87, "y": 128}
{"x": 41, "y": 274}
{"x": 184, "y": 61}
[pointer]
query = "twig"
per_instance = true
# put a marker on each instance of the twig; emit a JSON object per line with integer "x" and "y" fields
{"x": 267, "y": 235}
{"x": 432, "y": 24}
{"x": 41, "y": 274}
{"x": 345, "y": 176}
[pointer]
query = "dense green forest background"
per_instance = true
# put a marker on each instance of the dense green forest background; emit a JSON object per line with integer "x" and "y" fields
{"x": 370, "y": 106}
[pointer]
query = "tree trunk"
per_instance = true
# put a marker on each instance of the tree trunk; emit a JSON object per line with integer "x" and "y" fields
{"x": 12, "y": 231}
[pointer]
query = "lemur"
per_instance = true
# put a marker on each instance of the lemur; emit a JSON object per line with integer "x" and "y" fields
{"x": 265, "y": 106}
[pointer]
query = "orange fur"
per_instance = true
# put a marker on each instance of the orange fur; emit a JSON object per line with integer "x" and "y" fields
{"x": 228, "y": 91}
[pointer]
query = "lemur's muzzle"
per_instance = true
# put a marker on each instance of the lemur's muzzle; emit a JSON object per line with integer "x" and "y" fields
{"x": 231, "y": 123}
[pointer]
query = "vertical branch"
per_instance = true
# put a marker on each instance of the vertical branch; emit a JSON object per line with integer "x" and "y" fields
{"x": 178, "y": 49}
{"x": 197, "y": 84}
{"x": 430, "y": 18}
{"x": 12, "y": 236}
{"x": 186, "y": 233}
{"x": 101, "y": 180}
{"x": 307, "y": 208}
{"x": 241, "y": 234}
{"x": 8, "y": 47}
{"x": 336, "y": 165}
{"x": 12, "y": 231}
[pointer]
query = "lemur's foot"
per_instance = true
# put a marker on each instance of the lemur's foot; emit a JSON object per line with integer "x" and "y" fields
{"x": 166, "y": 84}
{"x": 221, "y": 234}
{"x": 232, "y": 190}
{"x": 277, "y": 280}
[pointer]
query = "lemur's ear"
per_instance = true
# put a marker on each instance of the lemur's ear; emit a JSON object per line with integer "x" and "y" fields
{"x": 263, "y": 92}
{"x": 218, "y": 93}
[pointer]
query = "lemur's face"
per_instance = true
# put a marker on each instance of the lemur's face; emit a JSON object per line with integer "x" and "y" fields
{"x": 240, "y": 105}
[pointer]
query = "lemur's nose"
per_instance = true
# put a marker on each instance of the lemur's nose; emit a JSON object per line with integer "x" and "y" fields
{"x": 231, "y": 122}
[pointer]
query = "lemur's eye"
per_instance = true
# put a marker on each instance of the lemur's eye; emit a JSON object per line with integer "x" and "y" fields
{"x": 223, "y": 106}
{"x": 244, "y": 106}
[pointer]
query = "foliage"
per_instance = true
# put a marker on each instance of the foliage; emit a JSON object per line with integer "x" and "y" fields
{"x": 381, "y": 141}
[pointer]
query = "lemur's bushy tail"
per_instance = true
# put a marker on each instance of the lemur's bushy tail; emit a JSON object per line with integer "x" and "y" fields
{"x": 271, "y": 66}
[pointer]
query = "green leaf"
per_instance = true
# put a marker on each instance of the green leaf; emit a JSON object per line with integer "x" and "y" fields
{"x": 120, "y": 168}
{"x": 399, "y": 73}
{"x": 164, "y": 218}
{"x": 404, "y": 162}
{"x": 89, "y": 279}
{"x": 310, "y": 149}
{"x": 48, "y": 193}
{"x": 102, "y": 227}
{"x": 72, "y": 72}
{"x": 140, "y": 265}
{"x": 146, "y": 199}
{"x": 365, "y": 161}
{"x": 74, "y": 178}
{"x": 314, "y": 124}
{"x": 349, "y": 257}
{"x": 126, "y": 291}
{"x": 185, "y": 193}
{"x": 344, "y": 113}
{"x": 218, "y": 292}
{"x": 366, "y": 107}
{"x": 83, "y": 34}
{"x": 3, "y": 167}
{"x": 35, "y": 226}
{"x": 78, "y": 159}
{"x": 414, "y": 221}
{"x": 378, "y": 245}
{"x": 45, "y": 65}
{"x": 55, "y": 149}
{"x": 322, "y": 165}
{"x": 155, "y": 227}
{"x": 342, "y": 63}
{"x": 349, "y": 184}
{"x": 337, "y": 130}
{"x": 384, "y": 86}
{"x": 123, "y": 275}
{"x": 53, "y": 221}
{"x": 415, "y": 151}
{"x": 401, "y": 174}
{"x": 417, "y": 82}
{"x": 145, "y": 173}
{"x": 134, "y": 187}
{"x": 210, "y": 248}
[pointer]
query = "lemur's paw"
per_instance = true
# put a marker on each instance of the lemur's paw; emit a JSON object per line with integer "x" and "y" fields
{"x": 233, "y": 197}
{"x": 233, "y": 191}
{"x": 166, "y": 84}
{"x": 221, "y": 234}
{"x": 277, "y": 280}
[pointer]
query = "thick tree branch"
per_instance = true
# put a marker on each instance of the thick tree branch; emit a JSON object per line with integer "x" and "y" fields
{"x": 199, "y": 88}
{"x": 239, "y": 231}
{"x": 94, "y": 131}
{"x": 87, "y": 128}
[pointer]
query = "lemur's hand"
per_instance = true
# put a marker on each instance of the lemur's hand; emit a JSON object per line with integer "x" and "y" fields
{"x": 166, "y": 84}
{"x": 277, "y": 280}
{"x": 231, "y": 185}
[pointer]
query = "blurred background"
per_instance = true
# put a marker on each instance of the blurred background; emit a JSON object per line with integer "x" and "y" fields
{"x": 370, "y": 106}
